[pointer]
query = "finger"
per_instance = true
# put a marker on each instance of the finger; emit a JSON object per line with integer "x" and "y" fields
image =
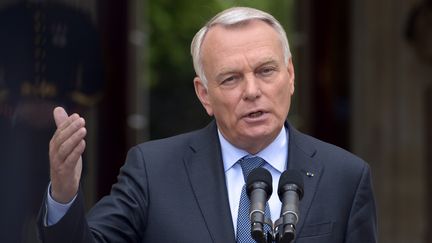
{"x": 68, "y": 128}
{"x": 73, "y": 158}
{"x": 69, "y": 145}
{"x": 60, "y": 115}
{"x": 65, "y": 131}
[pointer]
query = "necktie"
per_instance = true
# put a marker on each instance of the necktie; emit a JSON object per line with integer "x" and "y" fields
{"x": 243, "y": 221}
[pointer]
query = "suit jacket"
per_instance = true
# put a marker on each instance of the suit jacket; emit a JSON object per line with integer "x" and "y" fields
{"x": 174, "y": 190}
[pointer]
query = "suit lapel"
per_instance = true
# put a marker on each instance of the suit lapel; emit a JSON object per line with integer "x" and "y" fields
{"x": 207, "y": 177}
{"x": 301, "y": 158}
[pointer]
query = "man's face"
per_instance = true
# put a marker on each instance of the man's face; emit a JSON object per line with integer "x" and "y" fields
{"x": 249, "y": 86}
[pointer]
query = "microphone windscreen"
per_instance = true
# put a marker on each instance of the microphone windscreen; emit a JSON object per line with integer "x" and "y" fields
{"x": 260, "y": 176}
{"x": 290, "y": 177}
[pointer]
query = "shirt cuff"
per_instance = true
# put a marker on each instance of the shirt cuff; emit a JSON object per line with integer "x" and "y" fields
{"x": 55, "y": 210}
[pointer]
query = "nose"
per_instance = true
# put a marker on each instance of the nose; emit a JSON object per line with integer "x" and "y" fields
{"x": 252, "y": 88}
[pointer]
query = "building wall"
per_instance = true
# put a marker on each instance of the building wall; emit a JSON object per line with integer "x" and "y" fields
{"x": 86, "y": 5}
{"x": 388, "y": 123}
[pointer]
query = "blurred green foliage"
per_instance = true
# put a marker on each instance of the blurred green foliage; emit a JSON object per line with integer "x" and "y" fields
{"x": 172, "y": 25}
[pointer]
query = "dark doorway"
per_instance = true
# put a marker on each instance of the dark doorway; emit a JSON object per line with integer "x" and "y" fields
{"x": 329, "y": 41}
{"x": 112, "y": 145}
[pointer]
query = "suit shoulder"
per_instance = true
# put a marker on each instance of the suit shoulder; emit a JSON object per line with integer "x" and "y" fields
{"x": 177, "y": 144}
{"x": 180, "y": 140}
{"x": 169, "y": 153}
{"x": 333, "y": 155}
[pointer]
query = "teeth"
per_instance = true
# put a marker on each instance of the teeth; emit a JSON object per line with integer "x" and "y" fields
{"x": 255, "y": 114}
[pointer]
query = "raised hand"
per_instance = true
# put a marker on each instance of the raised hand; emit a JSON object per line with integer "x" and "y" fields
{"x": 65, "y": 150}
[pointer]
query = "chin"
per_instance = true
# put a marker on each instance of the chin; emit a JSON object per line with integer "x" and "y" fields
{"x": 258, "y": 135}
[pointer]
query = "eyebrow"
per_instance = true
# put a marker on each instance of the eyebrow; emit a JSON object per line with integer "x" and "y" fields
{"x": 267, "y": 61}
{"x": 226, "y": 70}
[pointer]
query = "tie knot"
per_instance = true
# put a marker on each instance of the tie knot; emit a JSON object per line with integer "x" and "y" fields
{"x": 249, "y": 164}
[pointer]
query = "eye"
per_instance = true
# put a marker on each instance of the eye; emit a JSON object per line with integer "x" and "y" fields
{"x": 229, "y": 80}
{"x": 266, "y": 71}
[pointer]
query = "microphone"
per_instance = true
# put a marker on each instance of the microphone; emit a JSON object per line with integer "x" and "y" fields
{"x": 258, "y": 188}
{"x": 290, "y": 191}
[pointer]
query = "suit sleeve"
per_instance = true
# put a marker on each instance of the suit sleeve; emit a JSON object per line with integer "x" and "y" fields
{"x": 118, "y": 217}
{"x": 362, "y": 223}
{"x": 71, "y": 228}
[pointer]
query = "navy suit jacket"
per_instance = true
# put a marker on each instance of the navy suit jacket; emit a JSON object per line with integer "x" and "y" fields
{"x": 174, "y": 190}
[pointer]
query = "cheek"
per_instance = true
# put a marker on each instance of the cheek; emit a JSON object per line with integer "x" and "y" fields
{"x": 283, "y": 98}
{"x": 217, "y": 105}
{"x": 228, "y": 113}
{"x": 228, "y": 100}
{"x": 225, "y": 109}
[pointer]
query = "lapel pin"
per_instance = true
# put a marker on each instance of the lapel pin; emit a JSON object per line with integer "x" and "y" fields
{"x": 310, "y": 174}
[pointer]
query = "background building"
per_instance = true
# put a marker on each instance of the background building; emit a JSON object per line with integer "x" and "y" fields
{"x": 363, "y": 82}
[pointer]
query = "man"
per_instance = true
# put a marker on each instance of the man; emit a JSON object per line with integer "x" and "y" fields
{"x": 188, "y": 188}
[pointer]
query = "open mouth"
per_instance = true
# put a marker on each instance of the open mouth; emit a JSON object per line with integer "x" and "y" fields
{"x": 255, "y": 114}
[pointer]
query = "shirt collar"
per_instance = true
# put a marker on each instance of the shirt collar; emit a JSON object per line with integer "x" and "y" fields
{"x": 275, "y": 154}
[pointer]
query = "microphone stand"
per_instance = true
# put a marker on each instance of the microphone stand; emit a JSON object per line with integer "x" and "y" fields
{"x": 283, "y": 232}
{"x": 257, "y": 228}
{"x": 279, "y": 233}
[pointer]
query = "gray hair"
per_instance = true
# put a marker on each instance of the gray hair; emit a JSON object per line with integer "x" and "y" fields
{"x": 231, "y": 17}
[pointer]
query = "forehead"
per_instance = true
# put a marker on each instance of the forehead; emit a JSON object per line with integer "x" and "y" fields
{"x": 221, "y": 35}
{"x": 255, "y": 37}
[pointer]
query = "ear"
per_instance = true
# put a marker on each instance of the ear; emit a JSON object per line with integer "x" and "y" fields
{"x": 202, "y": 93}
{"x": 290, "y": 68}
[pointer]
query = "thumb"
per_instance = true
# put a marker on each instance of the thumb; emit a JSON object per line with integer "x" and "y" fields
{"x": 60, "y": 115}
